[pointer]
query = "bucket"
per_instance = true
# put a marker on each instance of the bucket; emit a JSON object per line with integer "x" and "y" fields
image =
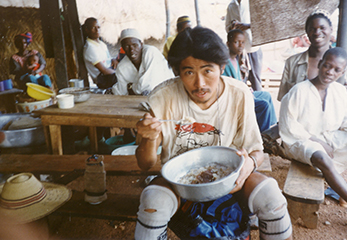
{"x": 6, "y": 85}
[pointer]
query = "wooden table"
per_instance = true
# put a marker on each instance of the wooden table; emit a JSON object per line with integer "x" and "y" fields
{"x": 98, "y": 111}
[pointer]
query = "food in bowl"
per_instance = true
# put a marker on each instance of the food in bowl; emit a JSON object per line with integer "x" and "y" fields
{"x": 206, "y": 174}
{"x": 177, "y": 167}
{"x": 80, "y": 94}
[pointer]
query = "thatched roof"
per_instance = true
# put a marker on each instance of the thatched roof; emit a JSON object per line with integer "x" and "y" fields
{"x": 282, "y": 19}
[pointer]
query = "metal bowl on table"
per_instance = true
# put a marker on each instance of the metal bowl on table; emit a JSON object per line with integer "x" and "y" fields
{"x": 179, "y": 166}
{"x": 80, "y": 94}
{"x": 26, "y": 137}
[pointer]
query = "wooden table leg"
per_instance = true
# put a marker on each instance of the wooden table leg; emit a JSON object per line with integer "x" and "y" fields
{"x": 56, "y": 142}
{"x": 93, "y": 139}
{"x": 48, "y": 139}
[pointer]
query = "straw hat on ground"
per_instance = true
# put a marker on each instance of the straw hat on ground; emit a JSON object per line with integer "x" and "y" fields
{"x": 24, "y": 199}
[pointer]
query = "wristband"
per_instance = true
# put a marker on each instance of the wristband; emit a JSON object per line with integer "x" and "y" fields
{"x": 255, "y": 163}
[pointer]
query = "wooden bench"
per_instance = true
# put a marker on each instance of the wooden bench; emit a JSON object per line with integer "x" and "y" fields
{"x": 269, "y": 80}
{"x": 117, "y": 206}
{"x": 304, "y": 189}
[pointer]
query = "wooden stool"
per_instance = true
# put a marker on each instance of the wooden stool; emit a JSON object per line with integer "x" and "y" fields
{"x": 304, "y": 189}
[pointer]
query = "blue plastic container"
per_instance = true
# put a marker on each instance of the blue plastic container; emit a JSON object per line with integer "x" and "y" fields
{"x": 6, "y": 85}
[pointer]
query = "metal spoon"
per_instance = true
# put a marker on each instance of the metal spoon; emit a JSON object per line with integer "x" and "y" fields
{"x": 178, "y": 122}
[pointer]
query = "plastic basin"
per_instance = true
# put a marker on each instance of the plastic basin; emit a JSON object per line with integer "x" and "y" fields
{"x": 31, "y": 106}
{"x": 116, "y": 142}
{"x": 39, "y": 92}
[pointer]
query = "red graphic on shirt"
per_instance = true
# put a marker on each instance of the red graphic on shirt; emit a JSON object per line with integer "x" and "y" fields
{"x": 195, "y": 127}
{"x": 195, "y": 135}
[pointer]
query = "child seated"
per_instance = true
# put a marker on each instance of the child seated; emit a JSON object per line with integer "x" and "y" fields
{"x": 32, "y": 66}
{"x": 313, "y": 121}
{"x": 264, "y": 109}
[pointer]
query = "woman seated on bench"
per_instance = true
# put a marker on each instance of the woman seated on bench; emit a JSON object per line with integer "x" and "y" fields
{"x": 313, "y": 121}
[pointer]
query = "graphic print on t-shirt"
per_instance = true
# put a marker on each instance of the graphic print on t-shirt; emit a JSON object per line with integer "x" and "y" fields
{"x": 195, "y": 135}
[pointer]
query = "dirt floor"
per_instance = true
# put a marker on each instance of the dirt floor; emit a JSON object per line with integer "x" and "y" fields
{"x": 332, "y": 217}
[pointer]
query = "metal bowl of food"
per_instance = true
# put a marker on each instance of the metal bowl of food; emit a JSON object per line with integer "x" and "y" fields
{"x": 80, "y": 94}
{"x": 20, "y": 130}
{"x": 206, "y": 163}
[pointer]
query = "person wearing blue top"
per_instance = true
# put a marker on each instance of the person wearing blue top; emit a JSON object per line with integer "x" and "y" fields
{"x": 264, "y": 108}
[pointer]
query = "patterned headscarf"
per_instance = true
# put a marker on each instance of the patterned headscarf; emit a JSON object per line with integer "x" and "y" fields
{"x": 27, "y": 36}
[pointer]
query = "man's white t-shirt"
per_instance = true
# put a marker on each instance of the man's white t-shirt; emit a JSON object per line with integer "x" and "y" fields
{"x": 93, "y": 53}
{"x": 230, "y": 121}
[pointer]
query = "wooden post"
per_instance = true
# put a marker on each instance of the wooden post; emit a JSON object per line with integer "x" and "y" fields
{"x": 69, "y": 46}
{"x": 77, "y": 39}
{"x": 197, "y": 12}
{"x": 51, "y": 22}
{"x": 46, "y": 29}
{"x": 342, "y": 31}
{"x": 167, "y": 19}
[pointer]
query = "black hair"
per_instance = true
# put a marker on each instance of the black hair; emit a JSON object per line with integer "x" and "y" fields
{"x": 315, "y": 16}
{"x": 200, "y": 43}
{"x": 86, "y": 24}
{"x": 337, "y": 51}
{"x": 233, "y": 32}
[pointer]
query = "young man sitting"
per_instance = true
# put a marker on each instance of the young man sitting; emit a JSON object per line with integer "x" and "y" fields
{"x": 313, "y": 121}
{"x": 97, "y": 58}
{"x": 224, "y": 104}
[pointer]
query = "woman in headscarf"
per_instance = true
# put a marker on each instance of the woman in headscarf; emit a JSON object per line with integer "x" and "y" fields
{"x": 24, "y": 70}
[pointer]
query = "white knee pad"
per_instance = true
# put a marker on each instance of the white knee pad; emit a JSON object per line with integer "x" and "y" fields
{"x": 153, "y": 225}
{"x": 267, "y": 201}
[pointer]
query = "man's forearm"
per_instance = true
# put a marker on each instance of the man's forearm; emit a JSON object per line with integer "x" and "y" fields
{"x": 146, "y": 153}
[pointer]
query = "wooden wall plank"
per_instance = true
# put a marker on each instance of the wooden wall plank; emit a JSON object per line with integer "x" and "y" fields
{"x": 77, "y": 38}
{"x": 51, "y": 11}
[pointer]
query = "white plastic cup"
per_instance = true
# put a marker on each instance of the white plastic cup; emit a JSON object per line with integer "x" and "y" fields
{"x": 65, "y": 101}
